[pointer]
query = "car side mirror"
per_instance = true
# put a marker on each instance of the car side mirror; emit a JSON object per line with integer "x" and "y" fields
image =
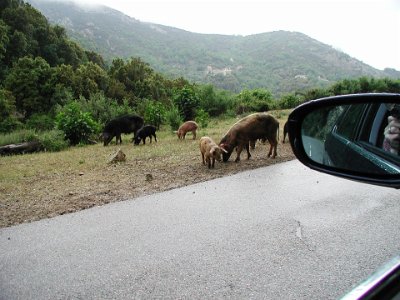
{"x": 352, "y": 136}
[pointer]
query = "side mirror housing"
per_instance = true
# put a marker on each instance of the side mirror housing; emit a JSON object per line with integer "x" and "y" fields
{"x": 352, "y": 136}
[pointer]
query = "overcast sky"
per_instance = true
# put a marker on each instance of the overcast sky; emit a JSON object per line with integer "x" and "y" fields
{"x": 368, "y": 30}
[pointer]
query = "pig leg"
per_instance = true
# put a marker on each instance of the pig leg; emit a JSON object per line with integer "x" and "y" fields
{"x": 208, "y": 162}
{"x": 118, "y": 138}
{"x": 248, "y": 151}
{"x": 202, "y": 157}
{"x": 155, "y": 137}
{"x": 194, "y": 134}
{"x": 239, "y": 149}
{"x": 274, "y": 146}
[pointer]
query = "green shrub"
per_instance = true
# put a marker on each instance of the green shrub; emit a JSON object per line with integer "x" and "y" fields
{"x": 202, "y": 118}
{"x": 103, "y": 109}
{"x": 214, "y": 102}
{"x": 78, "y": 126}
{"x": 289, "y": 101}
{"x": 153, "y": 112}
{"x": 173, "y": 118}
{"x": 187, "y": 101}
{"x": 53, "y": 140}
{"x": 8, "y": 112}
{"x": 257, "y": 100}
{"x": 10, "y": 124}
{"x": 40, "y": 122}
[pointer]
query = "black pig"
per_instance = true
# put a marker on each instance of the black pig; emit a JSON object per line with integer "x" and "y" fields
{"x": 143, "y": 133}
{"x": 117, "y": 126}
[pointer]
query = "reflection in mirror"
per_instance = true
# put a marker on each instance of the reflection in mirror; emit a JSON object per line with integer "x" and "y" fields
{"x": 358, "y": 137}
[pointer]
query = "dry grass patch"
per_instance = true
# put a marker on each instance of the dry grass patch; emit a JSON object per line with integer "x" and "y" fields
{"x": 42, "y": 185}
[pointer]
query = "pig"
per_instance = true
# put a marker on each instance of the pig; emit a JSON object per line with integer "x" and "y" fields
{"x": 123, "y": 124}
{"x": 250, "y": 128}
{"x": 185, "y": 128}
{"x": 144, "y": 132}
{"x": 210, "y": 151}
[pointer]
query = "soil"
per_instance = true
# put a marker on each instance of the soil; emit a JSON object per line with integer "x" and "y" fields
{"x": 49, "y": 194}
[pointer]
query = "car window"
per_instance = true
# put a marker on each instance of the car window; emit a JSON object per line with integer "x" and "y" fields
{"x": 364, "y": 126}
{"x": 349, "y": 122}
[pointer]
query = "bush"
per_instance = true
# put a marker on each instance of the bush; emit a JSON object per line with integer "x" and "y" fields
{"x": 40, "y": 122}
{"x": 187, "y": 101}
{"x": 8, "y": 119}
{"x": 289, "y": 101}
{"x": 78, "y": 126}
{"x": 258, "y": 100}
{"x": 173, "y": 118}
{"x": 53, "y": 140}
{"x": 103, "y": 109}
{"x": 10, "y": 124}
{"x": 153, "y": 112}
{"x": 202, "y": 118}
{"x": 214, "y": 102}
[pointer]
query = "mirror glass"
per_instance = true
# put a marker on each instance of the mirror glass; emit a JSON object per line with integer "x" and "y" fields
{"x": 358, "y": 137}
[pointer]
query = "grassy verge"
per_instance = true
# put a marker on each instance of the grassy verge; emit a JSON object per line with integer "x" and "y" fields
{"x": 46, "y": 184}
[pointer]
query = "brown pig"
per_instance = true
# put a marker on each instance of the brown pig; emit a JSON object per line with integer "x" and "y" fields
{"x": 250, "y": 128}
{"x": 185, "y": 128}
{"x": 210, "y": 151}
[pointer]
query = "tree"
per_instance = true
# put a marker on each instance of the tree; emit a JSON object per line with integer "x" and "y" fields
{"x": 4, "y": 41}
{"x": 289, "y": 101}
{"x": 214, "y": 102}
{"x": 186, "y": 101}
{"x": 253, "y": 100}
{"x": 90, "y": 79}
{"x": 31, "y": 81}
{"x": 8, "y": 119}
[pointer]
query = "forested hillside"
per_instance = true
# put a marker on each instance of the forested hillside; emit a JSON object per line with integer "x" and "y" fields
{"x": 281, "y": 62}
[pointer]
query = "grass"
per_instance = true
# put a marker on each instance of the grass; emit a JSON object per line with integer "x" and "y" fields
{"x": 46, "y": 184}
{"x": 18, "y": 136}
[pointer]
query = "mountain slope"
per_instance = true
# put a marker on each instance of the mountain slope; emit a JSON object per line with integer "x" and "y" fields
{"x": 279, "y": 61}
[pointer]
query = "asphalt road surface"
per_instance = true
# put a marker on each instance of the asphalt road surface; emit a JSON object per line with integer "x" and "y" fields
{"x": 279, "y": 232}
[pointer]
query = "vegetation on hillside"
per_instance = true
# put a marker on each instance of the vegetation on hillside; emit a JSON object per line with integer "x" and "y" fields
{"x": 48, "y": 82}
{"x": 281, "y": 61}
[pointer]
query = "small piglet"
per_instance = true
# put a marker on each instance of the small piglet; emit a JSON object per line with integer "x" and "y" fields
{"x": 210, "y": 151}
{"x": 144, "y": 132}
{"x": 185, "y": 128}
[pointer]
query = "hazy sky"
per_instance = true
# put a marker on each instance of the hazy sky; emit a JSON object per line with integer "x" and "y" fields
{"x": 368, "y": 30}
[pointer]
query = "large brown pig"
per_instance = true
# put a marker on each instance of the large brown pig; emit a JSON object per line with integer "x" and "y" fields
{"x": 253, "y": 127}
{"x": 209, "y": 151}
{"x": 185, "y": 128}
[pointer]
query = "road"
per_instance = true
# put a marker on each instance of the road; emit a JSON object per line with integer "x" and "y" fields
{"x": 279, "y": 232}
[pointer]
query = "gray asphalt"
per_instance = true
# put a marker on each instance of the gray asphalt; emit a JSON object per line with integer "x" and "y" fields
{"x": 282, "y": 231}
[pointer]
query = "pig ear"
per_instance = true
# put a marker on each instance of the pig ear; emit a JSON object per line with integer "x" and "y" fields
{"x": 222, "y": 148}
{"x": 212, "y": 151}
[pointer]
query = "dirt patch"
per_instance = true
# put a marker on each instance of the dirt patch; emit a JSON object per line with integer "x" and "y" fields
{"x": 80, "y": 183}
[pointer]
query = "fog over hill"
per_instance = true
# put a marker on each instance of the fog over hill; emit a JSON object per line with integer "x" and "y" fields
{"x": 280, "y": 61}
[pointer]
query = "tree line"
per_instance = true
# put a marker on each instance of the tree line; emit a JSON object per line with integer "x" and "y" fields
{"x": 48, "y": 81}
